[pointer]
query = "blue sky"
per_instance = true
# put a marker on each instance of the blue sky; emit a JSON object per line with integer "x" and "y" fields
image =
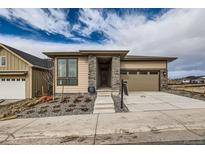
{"x": 155, "y": 32}
{"x": 18, "y": 26}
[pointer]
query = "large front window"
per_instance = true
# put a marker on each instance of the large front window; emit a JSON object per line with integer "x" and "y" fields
{"x": 67, "y": 71}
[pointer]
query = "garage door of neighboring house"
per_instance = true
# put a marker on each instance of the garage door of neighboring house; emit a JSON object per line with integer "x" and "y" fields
{"x": 141, "y": 80}
{"x": 12, "y": 88}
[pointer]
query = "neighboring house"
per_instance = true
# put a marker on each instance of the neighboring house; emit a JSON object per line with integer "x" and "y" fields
{"x": 198, "y": 80}
{"x": 193, "y": 80}
{"x": 186, "y": 81}
{"x": 75, "y": 72}
{"x": 21, "y": 75}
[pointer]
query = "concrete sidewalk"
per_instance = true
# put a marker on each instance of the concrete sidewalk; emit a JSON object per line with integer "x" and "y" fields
{"x": 154, "y": 127}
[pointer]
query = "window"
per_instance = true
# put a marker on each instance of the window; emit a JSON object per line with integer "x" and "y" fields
{"x": 143, "y": 72}
{"x": 12, "y": 79}
{"x": 2, "y": 61}
{"x": 132, "y": 72}
{"x": 153, "y": 72}
{"x": 7, "y": 79}
{"x": 3, "y": 79}
{"x": 67, "y": 71}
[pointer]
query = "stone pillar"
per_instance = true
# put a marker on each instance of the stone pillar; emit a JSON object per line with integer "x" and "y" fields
{"x": 163, "y": 80}
{"x": 92, "y": 71}
{"x": 115, "y": 78}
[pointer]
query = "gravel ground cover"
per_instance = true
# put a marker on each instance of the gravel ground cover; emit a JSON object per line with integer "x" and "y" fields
{"x": 69, "y": 105}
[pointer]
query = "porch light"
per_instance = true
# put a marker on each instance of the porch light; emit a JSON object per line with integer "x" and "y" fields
{"x": 164, "y": 73}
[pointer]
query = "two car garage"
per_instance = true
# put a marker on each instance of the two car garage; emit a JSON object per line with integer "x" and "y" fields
{"x": 145, "y": 73}
{"x": 141, "y": 80}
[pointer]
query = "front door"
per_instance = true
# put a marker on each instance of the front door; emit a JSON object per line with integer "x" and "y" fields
{"x": 104, "y": 72}
{"x": 104, "y": 78}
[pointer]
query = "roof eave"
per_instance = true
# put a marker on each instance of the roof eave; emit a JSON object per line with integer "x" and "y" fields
{"x": 56, "y": 54}
{"x": 169, "y": 59}
{"x": 35, "y": 66}
{"x": 122, "y": 53}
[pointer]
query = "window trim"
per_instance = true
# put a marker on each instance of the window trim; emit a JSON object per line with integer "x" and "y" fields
{"x": 67, "y": 66}
{"x": 1, "y": 61}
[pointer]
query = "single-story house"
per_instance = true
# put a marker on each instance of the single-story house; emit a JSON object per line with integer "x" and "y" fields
{"x": 22, "y": 75}
{"x": 185, "y": 81}
{"x": 198, "y": 80}
{"x": 76, "y": 71}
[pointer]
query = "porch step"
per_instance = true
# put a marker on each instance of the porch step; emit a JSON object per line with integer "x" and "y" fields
{"x": 105, "y": 90}
{"x": 104, "y": 111}
{"x": 104, "y": 103}
{"x": 104, "y": 94}
{"x": 110, "y": 106}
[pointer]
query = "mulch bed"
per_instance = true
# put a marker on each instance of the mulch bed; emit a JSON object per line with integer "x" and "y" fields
{"x": 69, "y": 105}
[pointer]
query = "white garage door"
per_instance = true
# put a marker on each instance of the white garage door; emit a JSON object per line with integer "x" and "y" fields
{"x": 12, "y": 88}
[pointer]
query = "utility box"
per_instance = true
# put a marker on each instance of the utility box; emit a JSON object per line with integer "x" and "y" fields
{"x": 91, "y": 90}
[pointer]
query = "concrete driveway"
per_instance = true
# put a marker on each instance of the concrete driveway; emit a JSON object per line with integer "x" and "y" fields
{"x": 157, "y": 101}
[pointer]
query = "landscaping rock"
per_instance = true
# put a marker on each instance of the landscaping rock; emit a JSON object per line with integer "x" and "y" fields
{"x": 32, "y": 108}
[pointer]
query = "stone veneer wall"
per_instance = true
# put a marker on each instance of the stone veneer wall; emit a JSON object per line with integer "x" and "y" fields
{"x": 163, "y": 80}
{"x": 92, "y": 71}
{"x": 115, "y": 79}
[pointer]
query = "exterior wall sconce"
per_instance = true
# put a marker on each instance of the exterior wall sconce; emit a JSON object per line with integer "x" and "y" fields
{"x": 164, "y": 73}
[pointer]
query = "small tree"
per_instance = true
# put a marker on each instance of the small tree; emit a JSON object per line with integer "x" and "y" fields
{"x": 48, "y": 77}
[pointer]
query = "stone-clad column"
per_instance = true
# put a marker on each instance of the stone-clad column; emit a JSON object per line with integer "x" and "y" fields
{"x": 163, "y": 79}
{"x": 92, "y": 71}
{"x": 115, "y": 78}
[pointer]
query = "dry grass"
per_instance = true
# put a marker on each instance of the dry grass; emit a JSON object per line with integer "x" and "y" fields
{"x": 197, "y": 88}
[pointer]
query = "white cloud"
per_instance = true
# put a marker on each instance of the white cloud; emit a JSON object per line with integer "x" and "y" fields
{"x": 36, "y": 47}
{"x": 179, "y": 32}
{"x": 51, "y": 21}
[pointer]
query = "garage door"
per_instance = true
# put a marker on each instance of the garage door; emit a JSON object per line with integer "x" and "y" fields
{"x": 12, "y": 88}
{"x": 142, "y": 81}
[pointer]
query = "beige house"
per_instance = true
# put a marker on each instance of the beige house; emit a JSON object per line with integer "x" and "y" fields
{"x": 21, "y": 75}
{"x": 75, "y": 72}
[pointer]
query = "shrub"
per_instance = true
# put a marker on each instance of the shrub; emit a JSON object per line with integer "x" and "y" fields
{"x": 88, "y": 100}
{"x": 69, "y": 109}
{"x": 77, "y": 100}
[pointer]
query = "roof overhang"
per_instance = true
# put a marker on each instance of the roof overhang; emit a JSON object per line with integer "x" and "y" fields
{"x": 148, "y": 58}
{"x": 121, "y": 53}
{"x": 12, "y": 73}
{"x": 56, "y": 54}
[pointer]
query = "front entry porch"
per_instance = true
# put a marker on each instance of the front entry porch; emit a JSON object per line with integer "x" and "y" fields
{"x": 103, "y": 73}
